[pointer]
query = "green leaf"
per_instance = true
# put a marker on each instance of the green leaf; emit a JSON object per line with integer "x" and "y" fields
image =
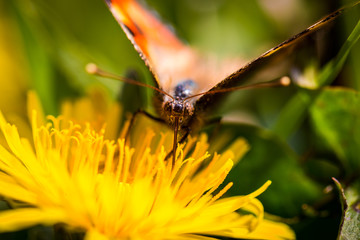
{"x": 336, "y": 118}
{"x": 349, "y": 228}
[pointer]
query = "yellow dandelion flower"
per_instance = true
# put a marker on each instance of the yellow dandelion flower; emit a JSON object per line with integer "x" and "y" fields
{"x": 73, "y": 173}
{"x": 76, "y": 177}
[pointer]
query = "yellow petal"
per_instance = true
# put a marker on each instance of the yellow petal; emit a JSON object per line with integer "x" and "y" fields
{"x": 12, "y": 220}
{"x": 272, "y": 230}
{"x": 11, "y": 189}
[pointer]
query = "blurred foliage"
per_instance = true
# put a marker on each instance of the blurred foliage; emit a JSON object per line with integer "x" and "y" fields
{"x": 336, "y": 118}
{"x": 299, "y": 138}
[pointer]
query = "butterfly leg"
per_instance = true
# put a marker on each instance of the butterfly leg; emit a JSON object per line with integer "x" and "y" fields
{"x": 134, "y": 116}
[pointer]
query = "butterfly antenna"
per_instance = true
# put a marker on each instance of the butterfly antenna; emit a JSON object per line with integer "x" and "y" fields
{"x": 93, "y": 69}
{"x": 284, "y": 81}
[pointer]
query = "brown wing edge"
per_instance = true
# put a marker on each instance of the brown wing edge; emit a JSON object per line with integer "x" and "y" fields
{"x": 130, "y": 35}
{"x": 241, "y": 76}
{"x": 108, "y": 2}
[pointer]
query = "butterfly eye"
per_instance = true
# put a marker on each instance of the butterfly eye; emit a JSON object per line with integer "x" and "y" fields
{"x": 167, "y": 107}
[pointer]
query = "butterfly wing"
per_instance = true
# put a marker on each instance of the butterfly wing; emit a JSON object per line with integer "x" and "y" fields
{"x": 167, "y": 57}
{"x": 171, "y": 61}
{"x": 274, "y": 63}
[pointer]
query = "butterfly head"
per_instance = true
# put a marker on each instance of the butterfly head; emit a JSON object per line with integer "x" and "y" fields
{"x": 177, "y": 108}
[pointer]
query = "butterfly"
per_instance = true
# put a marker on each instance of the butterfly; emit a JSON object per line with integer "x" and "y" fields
{"x": 187, "y": 84}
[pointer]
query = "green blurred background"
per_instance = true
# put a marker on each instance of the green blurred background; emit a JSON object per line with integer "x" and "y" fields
{"x": 299, "y": 138}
